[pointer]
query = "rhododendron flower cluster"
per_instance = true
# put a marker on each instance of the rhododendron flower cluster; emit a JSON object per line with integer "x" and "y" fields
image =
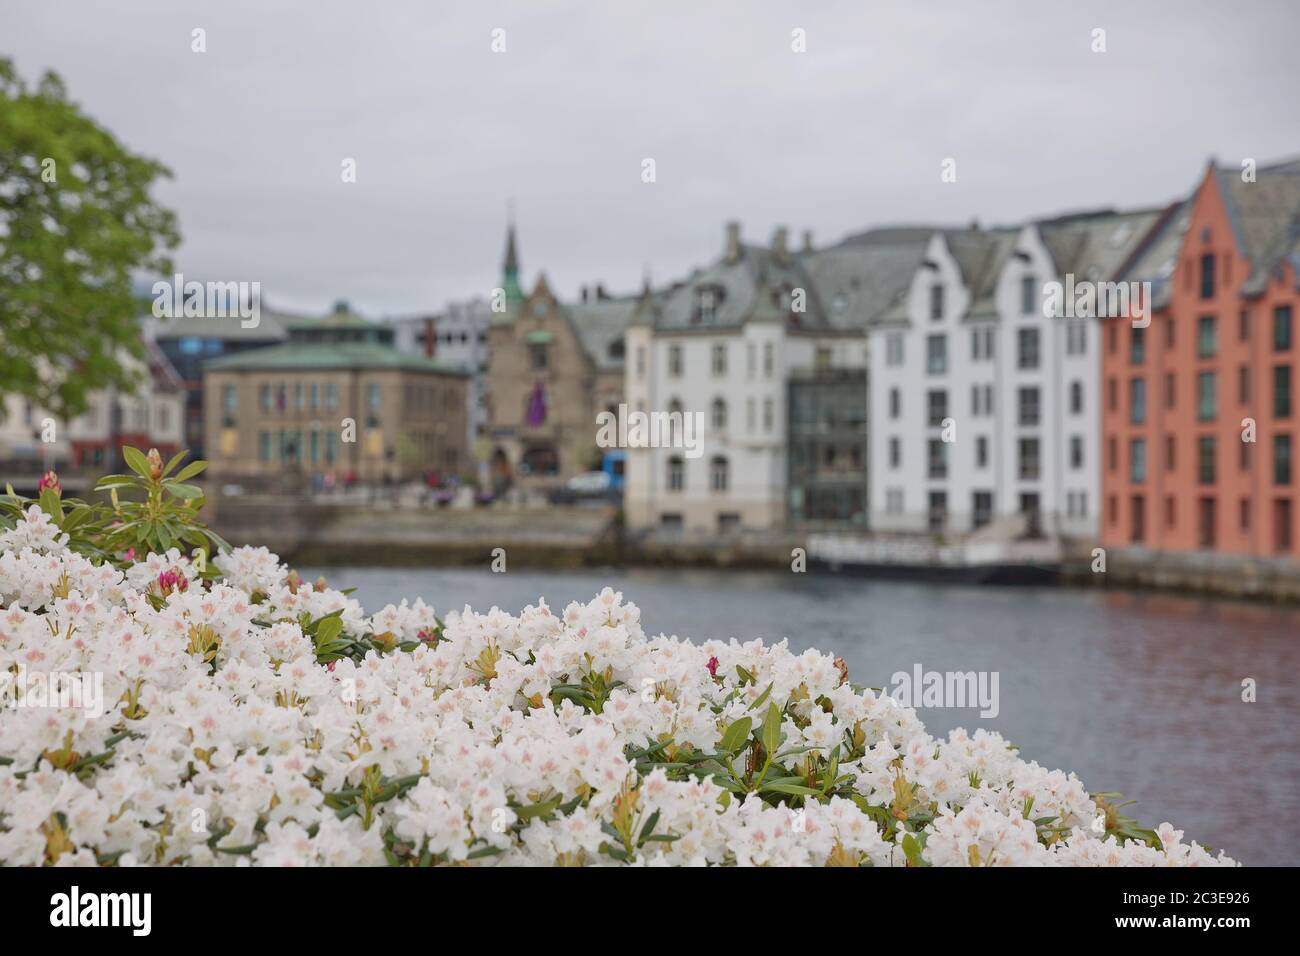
{"x": 250, "y": 717}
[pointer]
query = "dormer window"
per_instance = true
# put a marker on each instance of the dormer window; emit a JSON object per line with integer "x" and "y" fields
{"x": 708, "y": 300}
{"x": 1027, "y": 295}
{"x": 936, "y": 301}
{"x": 616, "y": 349}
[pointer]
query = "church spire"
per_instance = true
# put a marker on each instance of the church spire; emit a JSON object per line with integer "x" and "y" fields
{"x": 510, "y": 267}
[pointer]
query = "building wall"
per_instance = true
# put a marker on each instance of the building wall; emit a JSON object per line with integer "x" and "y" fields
{"x": 460, "y": 338}
{"x": 1244, "y": 510}
{"x": 418, "y": 425}
{"x": 1068, "y": 494}
{"x": 569, "y": 381}
{"x": 900, "y": 491}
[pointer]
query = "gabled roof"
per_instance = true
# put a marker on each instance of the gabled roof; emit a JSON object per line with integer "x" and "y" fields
{"x": 1265, "y": 215}
{"x": 599, "y": 324}
{"x": 857, "y": 279}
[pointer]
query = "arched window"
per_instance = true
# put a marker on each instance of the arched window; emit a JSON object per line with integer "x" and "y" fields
{"x": 718, "y": 474}
{"x": 719, "y": 416}
{"x": 674, "y": 429}
{"x": 676, "y": 473}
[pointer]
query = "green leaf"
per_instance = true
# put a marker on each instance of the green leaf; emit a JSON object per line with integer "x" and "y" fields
{"x": 185, "y": 491}
{"x": 190, "y": 470}
{"x": 137, "y": 461}
{"x": 762, "y": 697}
{"x": 734, "y": 737}
{"x": 795, "y": 789}
{"x": 771, "y": 736}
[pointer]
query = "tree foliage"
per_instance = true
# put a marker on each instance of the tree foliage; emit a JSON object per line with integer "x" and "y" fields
{"x": 76, "y": 220}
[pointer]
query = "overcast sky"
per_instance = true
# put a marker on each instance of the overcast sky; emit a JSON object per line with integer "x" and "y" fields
{"x": 444, "y": 132}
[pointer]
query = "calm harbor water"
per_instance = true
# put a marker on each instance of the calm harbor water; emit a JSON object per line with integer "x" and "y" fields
{"x": 1139, "y": 693}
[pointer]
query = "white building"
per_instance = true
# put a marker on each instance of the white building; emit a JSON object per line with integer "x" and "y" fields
{"x": 725, "y": 345}
{"x": 984, "y": 408}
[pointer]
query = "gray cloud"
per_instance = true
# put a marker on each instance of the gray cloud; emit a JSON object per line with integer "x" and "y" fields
{"x": 848, "y": 135}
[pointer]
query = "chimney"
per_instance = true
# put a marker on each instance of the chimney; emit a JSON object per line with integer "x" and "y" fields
{"x": 584, "y": 293}
{"x": 807, "y": 240}
{"x": 732, "y": 248}
{"x": 601, "y": 294}
{"x": 779, "y": 244}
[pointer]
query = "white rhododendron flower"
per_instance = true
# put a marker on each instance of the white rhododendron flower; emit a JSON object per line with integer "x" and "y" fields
{"x": 256, "y": 718}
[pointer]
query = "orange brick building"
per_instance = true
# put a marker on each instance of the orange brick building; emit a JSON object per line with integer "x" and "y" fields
{"x": 1180, "y": 398}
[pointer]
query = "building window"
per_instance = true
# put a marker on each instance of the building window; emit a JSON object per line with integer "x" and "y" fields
{"x": 1027, "y": 295}
{"x": 1112, "y": 452}
{"x": 1137, "y": 401}
{"x": 936, "y": 354}
{"x": 981, "y": 452}
{"x": 718, "y": 474}
{"x": 719, "y": 359}
{"x": 894, "y": 349}
{"x": 1282, "y": 391}
{"x": 1206, "y": 524}
{"x": 1206, "y": 405}
{"x": 264, "y": 447}
{"x": 264, "y": 401}
{"x": 1207, "y": 276}
{"x": 675, "y": 361}
{"x": 938, "y": 458}
{"x": 1137, "y": 532}
{"x": 1027, "y": 348}
{"x": 1243, "y": 384}
{"x": 331, "y": 397}
{"x": 1171, "y": 389}
{"x": 1281, "y": 459}
{"x": 981, "y": 508}
{"x": 937, "y": 406}
{"x": 1243, "y": 514}
{"x": 1243, "y": 325}
{"x": 1206, "y": 339}
{"x": 1029, "y": 466}
{"x": 981, "y": 343}
{"x": 936, "y": 301}
{"x": 1282, "y": 328}
{"x": 1282, "y": 525}
{"x": 1205, "y": 459}
{"x": 1169, "y": 333}
{"x": 895, "y": 403}
{"x": 230, "y": 403}
{"x": 895, "y": 452}
{"x": 1137, "y": 460}
{"x": 719, "y": 414}
{"x": 374, "y": 398}
{"x": 1171, "y": 448}
{"x": 1137, "y": 351}
{"x": 1076, "y": 397}
{"x": 640, "y": 361}
{"x": 537, "y": 358}
{"x": 1076, "y": 451}
{"x": 768, "y": 361}
{"x": 676, "y": 474}
{"x": 1076, "y": 338}
{"x": 1028, "y": 406}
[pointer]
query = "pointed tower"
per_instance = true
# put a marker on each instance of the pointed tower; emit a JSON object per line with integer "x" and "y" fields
{"x": 510, "y": 268}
